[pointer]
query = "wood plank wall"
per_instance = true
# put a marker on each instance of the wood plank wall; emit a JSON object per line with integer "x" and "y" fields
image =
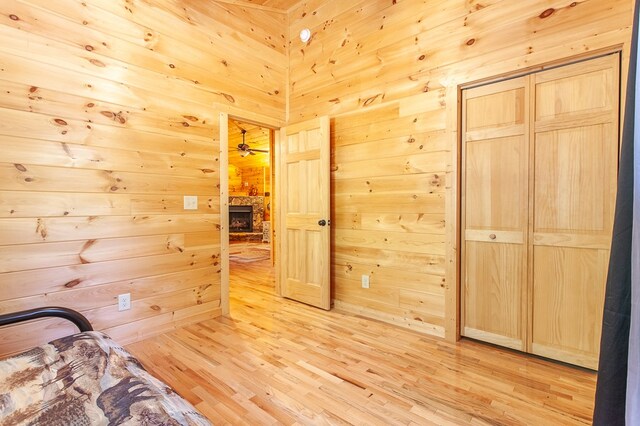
{"x": 235, "y": 180}
{"x": 108, "y": 116}
{"x": 257, "y": 177}
{"x": 389, "y": 74}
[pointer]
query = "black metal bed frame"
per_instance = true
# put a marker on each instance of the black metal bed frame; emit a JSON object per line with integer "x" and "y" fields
{"x": 75, "y": 317}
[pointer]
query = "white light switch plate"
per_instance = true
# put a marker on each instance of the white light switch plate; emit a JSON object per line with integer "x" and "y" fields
{"x": 365, "y": 281}
{"x": 191, "y": 202}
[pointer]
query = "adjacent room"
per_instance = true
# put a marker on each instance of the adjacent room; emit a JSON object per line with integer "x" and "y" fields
{"x": 251, "y": 178}
{"x": 368, "y": 212}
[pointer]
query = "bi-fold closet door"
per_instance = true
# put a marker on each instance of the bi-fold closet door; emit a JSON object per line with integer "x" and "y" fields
{"x": 539, "y": 167}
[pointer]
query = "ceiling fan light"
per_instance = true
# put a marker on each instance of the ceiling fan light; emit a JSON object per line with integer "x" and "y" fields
{"x": 245, "y": 153}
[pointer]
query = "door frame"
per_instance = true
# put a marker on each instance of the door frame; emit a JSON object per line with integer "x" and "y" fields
{"x": 265, "y": 122}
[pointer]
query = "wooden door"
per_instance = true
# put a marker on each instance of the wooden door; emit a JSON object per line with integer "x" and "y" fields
{"x": 494, "y": 205}
{"x": 304, "y": 213}
{"x": 575, "y": 170}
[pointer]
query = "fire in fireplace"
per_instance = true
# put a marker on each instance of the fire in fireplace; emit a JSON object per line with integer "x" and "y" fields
{"x": 240, "y": 218}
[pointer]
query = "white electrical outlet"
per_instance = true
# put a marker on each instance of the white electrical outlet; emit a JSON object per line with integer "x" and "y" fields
{"x": 124, "y": 302}
{"x": 191, "y": 202}
{"x": 365, "y": 281}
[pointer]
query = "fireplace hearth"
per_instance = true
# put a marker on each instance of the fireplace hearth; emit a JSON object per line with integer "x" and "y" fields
{"x": 240, "y": 218}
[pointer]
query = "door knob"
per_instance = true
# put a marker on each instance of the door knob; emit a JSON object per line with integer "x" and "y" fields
{"x": 322, "y": 222}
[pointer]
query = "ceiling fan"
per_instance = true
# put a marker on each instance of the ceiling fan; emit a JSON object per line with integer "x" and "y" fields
{"x": 246, "y": 149}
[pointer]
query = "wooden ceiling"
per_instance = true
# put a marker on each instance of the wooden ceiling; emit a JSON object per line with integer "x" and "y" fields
{"x": 256, "y": 137}
{"x": 283, "y": 5}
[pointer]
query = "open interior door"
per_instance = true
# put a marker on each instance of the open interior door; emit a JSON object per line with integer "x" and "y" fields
{"x": 304, "y": 233}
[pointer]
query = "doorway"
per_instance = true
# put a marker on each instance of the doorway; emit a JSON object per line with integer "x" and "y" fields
{"x": 250, "y": 200}
{"x": 301, "y": 258}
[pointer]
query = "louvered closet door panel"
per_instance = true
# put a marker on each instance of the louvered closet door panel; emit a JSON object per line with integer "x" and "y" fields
{"x": 495, "y": 184}
{"x": 575, "y": 168}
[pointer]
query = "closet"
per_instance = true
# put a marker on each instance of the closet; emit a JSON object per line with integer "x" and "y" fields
{"x": 539, "y": 169}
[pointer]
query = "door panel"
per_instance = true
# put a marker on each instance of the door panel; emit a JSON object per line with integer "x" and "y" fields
{"x": 501, "y": 105}
{"x": 494, "y": 291}
{"x": 577, "y": 90}
{"x": 573, "y": 179}
{"x": 304, "y": 165}
{"x": 575, "y": 168}
{"x": 567, "y": 303}
{"x": 495, "y": 185}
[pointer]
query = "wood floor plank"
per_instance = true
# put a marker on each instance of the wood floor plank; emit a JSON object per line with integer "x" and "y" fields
{"x": 278, "y": 362}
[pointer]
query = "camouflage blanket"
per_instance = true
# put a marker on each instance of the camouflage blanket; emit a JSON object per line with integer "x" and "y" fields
{"x": 86, "y": 379}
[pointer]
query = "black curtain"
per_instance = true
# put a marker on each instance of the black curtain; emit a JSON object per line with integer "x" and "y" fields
{"x": 610, "y": 407}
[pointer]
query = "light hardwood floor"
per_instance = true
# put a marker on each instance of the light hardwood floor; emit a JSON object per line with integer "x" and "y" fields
{"x": 275, "y": 361}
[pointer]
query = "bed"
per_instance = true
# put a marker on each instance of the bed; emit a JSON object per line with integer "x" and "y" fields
{"x": 84, "y": 379}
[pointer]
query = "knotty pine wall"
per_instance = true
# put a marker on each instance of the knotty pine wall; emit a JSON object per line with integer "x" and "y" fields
{"x": 253, "y": 176}
{"x": 388, "y": 72}
{"x": 108, "y": 115}
{"x": 235, "y": 179}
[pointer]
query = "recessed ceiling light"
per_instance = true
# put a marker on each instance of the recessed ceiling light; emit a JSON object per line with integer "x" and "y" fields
{"x": 305, "y": 35}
